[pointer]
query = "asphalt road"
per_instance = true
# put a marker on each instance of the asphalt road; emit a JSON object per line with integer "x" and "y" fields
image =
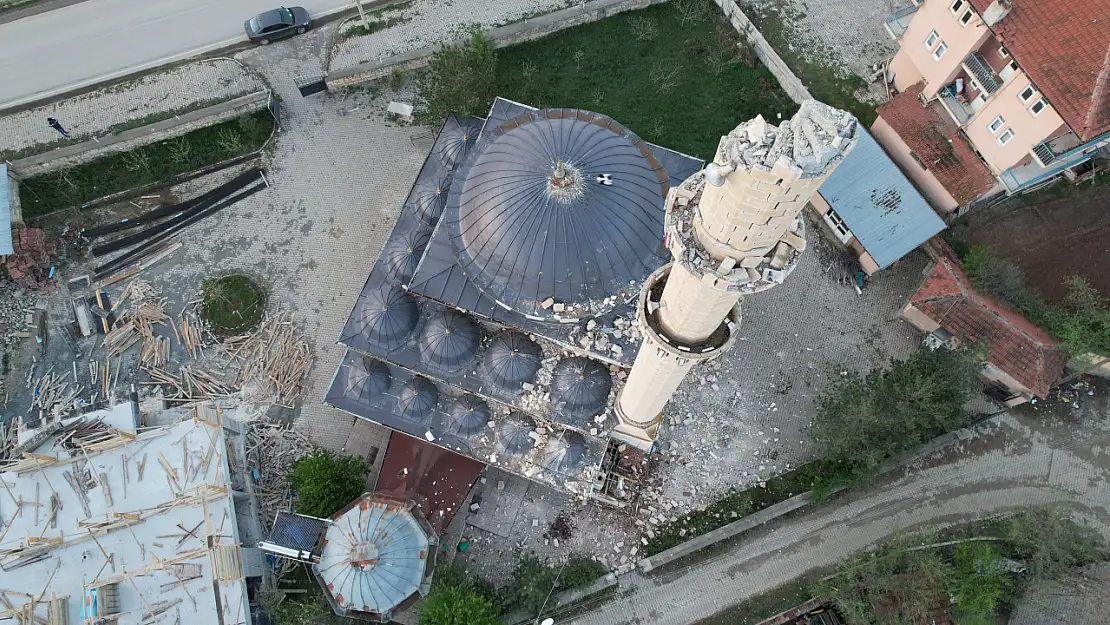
{"x": 76, "y": 46}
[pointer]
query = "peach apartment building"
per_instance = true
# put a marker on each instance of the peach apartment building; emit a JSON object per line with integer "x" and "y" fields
{"x": 996, "y": 95}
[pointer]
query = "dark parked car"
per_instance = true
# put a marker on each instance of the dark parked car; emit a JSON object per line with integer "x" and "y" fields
{"x": 277, "y": 24}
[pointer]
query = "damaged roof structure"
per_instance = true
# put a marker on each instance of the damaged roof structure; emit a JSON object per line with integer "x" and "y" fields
{"x": 499, "y": 319}
{"x": 103, "y": 524}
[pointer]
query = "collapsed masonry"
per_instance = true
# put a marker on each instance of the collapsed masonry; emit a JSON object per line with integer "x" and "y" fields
{"x": 739, "y": 234}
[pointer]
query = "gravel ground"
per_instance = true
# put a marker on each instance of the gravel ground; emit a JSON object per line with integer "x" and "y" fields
{"x": 425, "y": 22}
{"x": 97, "y": 113}
{"x": 847, "y": 34}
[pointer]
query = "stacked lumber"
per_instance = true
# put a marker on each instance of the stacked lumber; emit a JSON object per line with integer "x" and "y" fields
{"x": 274, "y": 359}
{"x": 191, "y": 332}
{"x": 190, "y": 383}
{"x": 147, "y": 309}
{"x": 271, "y": 451}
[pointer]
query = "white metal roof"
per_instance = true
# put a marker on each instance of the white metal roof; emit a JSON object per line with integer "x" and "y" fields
{"x": 137, "y": 531}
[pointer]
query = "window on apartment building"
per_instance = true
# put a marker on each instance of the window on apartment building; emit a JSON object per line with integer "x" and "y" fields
{"x": 939, "y": 52}
{"x": 1038, "y": 106}
{"x": 1003, "y": 52}
{"x": 1027, "y": 93}
{"x": 1005, "y": 137}
{"x": 956, "y": 6}
{"x": 966, "y": 17}
{"x": 996, "y": 124}
{"x": 931, "y": 40}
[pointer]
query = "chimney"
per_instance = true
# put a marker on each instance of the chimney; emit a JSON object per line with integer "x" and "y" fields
{"x": 733, "y": 230}
{"x": 996, "y": 11}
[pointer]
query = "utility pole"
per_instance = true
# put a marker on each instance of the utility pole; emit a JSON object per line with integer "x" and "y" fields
{"x": 362, "y": 15}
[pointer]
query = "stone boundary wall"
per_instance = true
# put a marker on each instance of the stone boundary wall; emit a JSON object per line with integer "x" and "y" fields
{"x": 565, "y": 598}
{"x": 767, "y": 55}
{"x": 86, "y": 151}
{"x": 503, "y": 36}
{"x": 796, "y": 502}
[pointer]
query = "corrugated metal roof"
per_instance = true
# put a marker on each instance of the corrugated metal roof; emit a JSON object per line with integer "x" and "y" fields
{"x": 375, "y": 556}
{"x": 5, "y": 212}
{"x": 880, "y": 205}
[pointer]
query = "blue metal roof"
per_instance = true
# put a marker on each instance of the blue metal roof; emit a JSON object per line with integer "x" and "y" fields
{"x": 5, "y": 213}
{"x": 879, "y": 204}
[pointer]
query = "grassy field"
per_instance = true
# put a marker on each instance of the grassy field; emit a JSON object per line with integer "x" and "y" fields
{"x": 141, "y": 166}
{"x": 678, "y": 80}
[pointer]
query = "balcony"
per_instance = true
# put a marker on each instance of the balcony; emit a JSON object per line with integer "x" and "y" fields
{"x": 1034, "y": 173}
{"x": 978, "y": 68}
{"x": 898, "y": 21}
{"x": 954, "y": 106}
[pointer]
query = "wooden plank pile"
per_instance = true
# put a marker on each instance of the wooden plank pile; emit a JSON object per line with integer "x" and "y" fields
{"x": 190, "y": 384}
{"x": 274, "y": 359}
{"x": 271, "y": 451}
{"x": 53, "y": 396}
{"x": 147, "y": 309}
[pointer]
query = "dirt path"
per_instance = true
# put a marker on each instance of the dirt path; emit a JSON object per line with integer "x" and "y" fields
{"x": 1026, "y": 459}
{"x": 1049, "y": 239}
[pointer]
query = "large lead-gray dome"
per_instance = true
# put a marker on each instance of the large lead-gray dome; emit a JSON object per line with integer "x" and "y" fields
{"x": 558, "y": 211}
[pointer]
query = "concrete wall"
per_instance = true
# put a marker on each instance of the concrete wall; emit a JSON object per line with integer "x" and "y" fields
{"x": 941, "y": 199}
{"x": 961, "y": 40}
{"x": 527, "y": 30}
{"x": 86, "y": 151}
{"x": 789, "y": 82}
{"x": 1029, "y": 130}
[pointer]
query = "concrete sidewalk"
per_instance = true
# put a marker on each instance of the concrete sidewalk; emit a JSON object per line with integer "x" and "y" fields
{"x": 152, "y": 97}
{"x": 1023, "y": 462}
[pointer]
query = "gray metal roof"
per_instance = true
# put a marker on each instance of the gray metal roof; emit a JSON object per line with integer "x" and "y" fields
{"x": 5, "y": 213}
{"x": 296, "y": 531}
{"x": 879, "y": 204}
{"x": 560, "y": 206}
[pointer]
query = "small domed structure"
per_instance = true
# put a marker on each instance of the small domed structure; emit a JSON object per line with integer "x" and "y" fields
{"x": 403, "y": 255}
{"x": 457, "y": 139}
{"x": 449, "y": 339}
{"x": 417, "y": 399}
{"x": 367, "y": 379}
{"x": 565, "y": 453}
{"x": 468, "y": 415}
{"x": 387, "y": 316}
{"x": 511, "y": 360}
{"x": 428, "y": 200}
{"x": 512, "y": 435}
{"x": 579, "y": 387}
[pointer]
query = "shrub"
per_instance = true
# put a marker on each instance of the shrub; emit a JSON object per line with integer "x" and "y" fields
{"x": 396, "y": 79}
{"x": 179, "y": 149}
{"x": 459, "y": 79}
{"x": 137, "y": 160}
{"x": 228, "y": 141}
{"x": 978, "y": 583}
{"x": 457, "y": 604}
{"x": 580, "y": 570}
{"x": 1051, "y": 543}
{"x": 325, "y": 482}
{"x": 643, "y": 28}
{"x": 312, "y": 611}
{"x": 231, "y": 304}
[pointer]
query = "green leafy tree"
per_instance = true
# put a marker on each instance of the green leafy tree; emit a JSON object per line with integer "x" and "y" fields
{"x": 1050, "y": 542}
{"x": 978, "y": 583}
{"x": 1083, "y": 323}
{"x": 325, "y": 482}
{"x": 459, "y": 79}
{"x": 456, "y": 602}
{"x": 531, "y": 584}
{"x": 862, "y": 420}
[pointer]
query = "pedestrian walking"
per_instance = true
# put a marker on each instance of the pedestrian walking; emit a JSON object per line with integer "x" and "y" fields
{"x": 57, "y": 125}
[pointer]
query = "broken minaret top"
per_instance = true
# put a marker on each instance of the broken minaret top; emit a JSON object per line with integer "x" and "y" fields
{"x": 812, "y": 141}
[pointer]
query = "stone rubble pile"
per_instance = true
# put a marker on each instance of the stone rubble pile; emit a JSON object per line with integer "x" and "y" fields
{"x": 29, "y": 264}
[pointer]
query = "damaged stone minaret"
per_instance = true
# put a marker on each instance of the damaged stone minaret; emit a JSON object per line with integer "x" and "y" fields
{"x": 735, "y": 228}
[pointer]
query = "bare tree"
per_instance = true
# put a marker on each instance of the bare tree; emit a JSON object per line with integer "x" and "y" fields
{"x": 643, "y": 28}
{"x": 665, "y": 75}
{"x": 691, "y": 11}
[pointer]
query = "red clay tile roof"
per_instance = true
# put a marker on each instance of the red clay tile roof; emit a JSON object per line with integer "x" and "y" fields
{"x": 938, "y": 143}
{"x": 1064, "y": 46}
{"x": 1016, "y": 346}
